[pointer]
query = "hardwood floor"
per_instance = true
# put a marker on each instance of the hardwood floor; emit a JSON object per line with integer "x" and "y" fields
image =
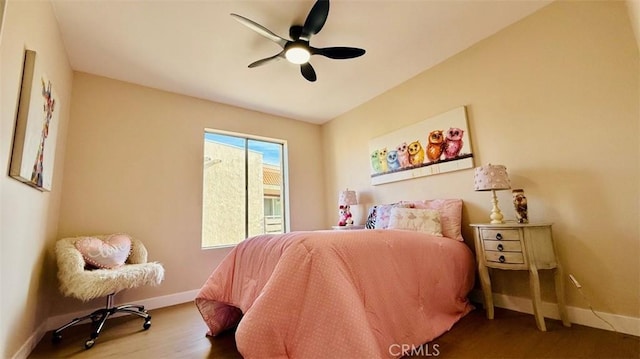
{"x": 179, "y": 332}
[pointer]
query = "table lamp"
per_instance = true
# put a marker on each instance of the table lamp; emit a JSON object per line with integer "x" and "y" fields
{"x": 345, "y": 200}
{"x": 492, "y": 178}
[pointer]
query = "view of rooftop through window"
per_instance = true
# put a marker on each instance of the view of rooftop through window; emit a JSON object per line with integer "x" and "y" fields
{"x": 243, "y": 188}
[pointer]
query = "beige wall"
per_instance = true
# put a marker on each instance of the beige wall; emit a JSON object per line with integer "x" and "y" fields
{"x": 634, "y": 15}
{"x": 29, "y": 218}
{"x": 134, "y": 164}
{"x": 555, "y": 98}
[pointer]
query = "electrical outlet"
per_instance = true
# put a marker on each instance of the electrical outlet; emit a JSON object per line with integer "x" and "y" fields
{"x": 575, "y": 281}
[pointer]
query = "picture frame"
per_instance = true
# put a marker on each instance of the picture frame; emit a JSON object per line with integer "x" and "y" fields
{"x": 34, "y": 141}
{"x": 436, "y": 145}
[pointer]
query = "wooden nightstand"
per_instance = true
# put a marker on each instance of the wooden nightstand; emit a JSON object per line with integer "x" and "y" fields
{"x": 513, "y": 246}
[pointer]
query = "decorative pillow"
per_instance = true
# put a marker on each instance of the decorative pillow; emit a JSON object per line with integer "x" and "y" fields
{"x": 450, "y": 215}
{"x": 384, "y": 213}
{"x": 371, "y": 218}
{"x": 420, "y": 220}
{"x": 107, "y": 254}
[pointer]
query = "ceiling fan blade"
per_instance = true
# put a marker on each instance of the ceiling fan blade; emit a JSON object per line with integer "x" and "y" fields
{"x": 267, "y": 60}
{"x": 315, "y": 20}
{"x": 295, "y": 31}
{"x": 308, "y": 72}
{"x": 260, "y": 30}
{"x": 338, "y": 52}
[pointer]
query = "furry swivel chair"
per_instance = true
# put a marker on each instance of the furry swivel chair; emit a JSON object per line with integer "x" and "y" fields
{"x": 79, "y": 281}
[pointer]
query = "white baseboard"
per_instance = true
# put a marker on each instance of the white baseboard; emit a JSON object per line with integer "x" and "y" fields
{"x": 55, "y": 322}
{"x": 582, "y": 316}
{"x": 30, "y": 344}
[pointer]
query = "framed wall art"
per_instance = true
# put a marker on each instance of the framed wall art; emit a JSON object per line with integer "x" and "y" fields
{"x": 34, "y": 141}
{"x": 436, "y": 145}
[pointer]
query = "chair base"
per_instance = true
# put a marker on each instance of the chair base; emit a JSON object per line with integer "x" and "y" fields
{"x": 100, "y": 316}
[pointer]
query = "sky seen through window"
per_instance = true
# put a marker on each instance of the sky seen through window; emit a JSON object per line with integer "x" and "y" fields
{"x": 271, "y": 152}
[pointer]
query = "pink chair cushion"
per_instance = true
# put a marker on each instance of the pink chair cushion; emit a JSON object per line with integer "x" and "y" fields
{"x": 107, "y": 254}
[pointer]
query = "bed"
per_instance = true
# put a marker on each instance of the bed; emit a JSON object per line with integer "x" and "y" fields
{"x": 344, "y": 293}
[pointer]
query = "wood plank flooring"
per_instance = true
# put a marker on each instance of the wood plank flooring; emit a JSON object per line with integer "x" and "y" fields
{"x": 179, "y": 332}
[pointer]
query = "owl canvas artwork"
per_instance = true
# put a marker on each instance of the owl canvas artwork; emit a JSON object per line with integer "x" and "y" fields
{"x": 436, "y": 145}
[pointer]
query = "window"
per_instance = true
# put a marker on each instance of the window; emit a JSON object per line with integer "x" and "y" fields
{"x": 244, "y": 188}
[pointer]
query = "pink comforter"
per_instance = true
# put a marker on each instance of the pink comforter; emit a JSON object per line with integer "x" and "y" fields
{"x": 338, "y": 294}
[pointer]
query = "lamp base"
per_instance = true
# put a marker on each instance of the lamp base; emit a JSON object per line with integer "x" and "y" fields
{"x": 496, "y": 214}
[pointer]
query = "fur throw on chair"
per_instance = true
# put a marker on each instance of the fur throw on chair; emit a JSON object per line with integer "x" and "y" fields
{"x": 85, "y": 284}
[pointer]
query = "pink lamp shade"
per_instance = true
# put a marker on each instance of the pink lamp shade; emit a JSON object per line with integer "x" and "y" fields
{"x": 347, "y": 198}
{"x": 491, "y": 177}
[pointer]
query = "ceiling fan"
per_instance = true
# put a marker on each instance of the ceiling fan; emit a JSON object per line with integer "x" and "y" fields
{"x": 297, "y": 50}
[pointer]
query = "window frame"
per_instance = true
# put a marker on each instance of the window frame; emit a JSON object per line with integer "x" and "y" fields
{"x": 284, "y": 159}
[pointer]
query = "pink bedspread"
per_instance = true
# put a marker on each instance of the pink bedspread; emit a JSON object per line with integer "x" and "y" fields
{"x": 338, "y": 294}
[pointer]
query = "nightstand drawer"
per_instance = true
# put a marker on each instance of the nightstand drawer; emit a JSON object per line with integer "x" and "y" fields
{"x": 504, "y": 257}
{"x": 500, "y": 234}
{"x": 502, "y": 246}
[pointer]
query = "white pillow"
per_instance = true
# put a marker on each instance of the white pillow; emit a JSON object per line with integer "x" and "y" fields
{"x": 420, "y": 220}
{"x": 383, "y": 214}
{"x": 450, "y": 215}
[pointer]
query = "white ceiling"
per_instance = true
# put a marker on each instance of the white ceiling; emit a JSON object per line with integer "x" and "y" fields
{"x": 195, "y": 48}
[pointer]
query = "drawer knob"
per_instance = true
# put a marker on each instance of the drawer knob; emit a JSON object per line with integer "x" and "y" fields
{"x": 500, "y": 247}
{"x": 501, "y": 259}
{"x": 499, "y": 236}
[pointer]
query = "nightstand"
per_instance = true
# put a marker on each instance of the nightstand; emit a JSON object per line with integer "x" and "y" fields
{"x": 342, "y": 228}
{"x": 513, "y": 246}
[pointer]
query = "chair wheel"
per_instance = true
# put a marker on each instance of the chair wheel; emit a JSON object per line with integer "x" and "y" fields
{"x": 147, "y": 324}
{"x": 56, "y": 338}
{"x": 89, "y": 343}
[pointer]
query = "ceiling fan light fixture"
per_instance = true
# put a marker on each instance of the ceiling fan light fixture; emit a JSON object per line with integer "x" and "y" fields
{"x": 297, "y": 49}
{"x": 297, "y": 55}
